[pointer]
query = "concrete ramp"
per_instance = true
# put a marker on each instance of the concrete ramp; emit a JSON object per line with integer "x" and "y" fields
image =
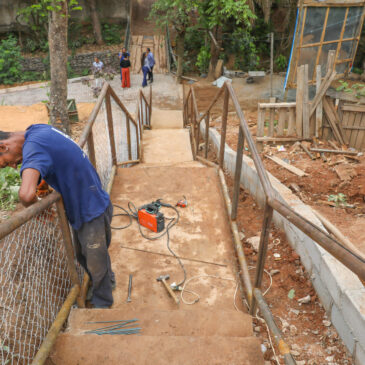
{"x": 167, "y": 119}
{"x": 205, "y": 328}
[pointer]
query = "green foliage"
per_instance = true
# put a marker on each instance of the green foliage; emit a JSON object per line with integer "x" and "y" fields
{"x": 339, "y": 198}
{"x": 111, "y": 33}
{"x": 9, "y": 187}
{"x": 203, "y": 59}
{"x": 36, "y": 16}
{"x": 358, "y": 89}
{"x": 10, "y": 57}
{"x": 281, "y": 62}
{"x": 357, "y": 70}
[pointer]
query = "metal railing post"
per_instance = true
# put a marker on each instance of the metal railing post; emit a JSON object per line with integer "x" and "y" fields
{"x": 237, "y": 176}
{"x": 264, "y": 242}
{"x": 91, "y": 148}
{"x": 129, "y": 136}
{"x": 207, "y": 121}
{"x": 67, "y": 242}
{"x": 224, "y": 126}
{"x": 110, "y": 127}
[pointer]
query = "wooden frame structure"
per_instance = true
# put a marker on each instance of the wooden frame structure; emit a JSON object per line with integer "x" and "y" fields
{"x": 339, "y": 24}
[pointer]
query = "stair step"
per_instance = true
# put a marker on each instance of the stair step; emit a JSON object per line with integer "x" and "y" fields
{"x": 203, "y": 323}
{"x": 156, "y": 350}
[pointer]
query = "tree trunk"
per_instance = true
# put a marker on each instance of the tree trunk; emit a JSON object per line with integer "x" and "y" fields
{"x": 57, "y": 39}
{"x": 180, "y": 54}
{"x": 96, "y": 22}
{"x": 214, "y": 54}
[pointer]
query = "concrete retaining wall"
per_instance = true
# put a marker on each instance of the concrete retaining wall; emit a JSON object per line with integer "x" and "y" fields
{"x": 340, "y": 291}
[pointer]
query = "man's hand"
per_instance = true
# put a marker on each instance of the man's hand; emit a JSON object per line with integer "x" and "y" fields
{"x": 27, "y": 191}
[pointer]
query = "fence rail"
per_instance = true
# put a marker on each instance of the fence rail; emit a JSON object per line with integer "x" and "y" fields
{"x": 253, "y": 293}
{"x": 39, "y": 276}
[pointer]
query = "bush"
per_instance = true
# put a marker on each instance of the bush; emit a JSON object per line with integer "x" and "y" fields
{"x": 10, "y": 57}
{"x": 112, "y": 33}
{"x": 281, "y": 62}
{"x": 9, "y": 187}
{"x": 203, "y": 59}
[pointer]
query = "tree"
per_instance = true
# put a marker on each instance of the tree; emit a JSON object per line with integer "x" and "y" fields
{"x": 96, "y": 22}
{"x": 179, "y": 14}
{"x": 215, "y": 14}
{"x": 57, "y": 39}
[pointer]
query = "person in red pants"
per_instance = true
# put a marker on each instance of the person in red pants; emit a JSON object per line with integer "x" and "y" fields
{"x": 125, "y": 64}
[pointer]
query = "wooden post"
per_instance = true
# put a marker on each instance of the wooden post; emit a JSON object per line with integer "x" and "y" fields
{"x": 91, "y": 148}
{"x": 271, "y": 62}
{"x": 306, "y": 133}
{"x": 272, "y": 115}
{"x": 319, "y": 110}
{"x": 260, "y": 127}
{"x": 224, "y": 127}
{"x": 150, "y": 108}
{"x": 110, "y": 127}
{"x": 237, "y": 175}
{"x": 129, "y": 136}
{"x": 206, "y": 134}
{"x": 300, "y": 92}
{"x": 67, "y": 242}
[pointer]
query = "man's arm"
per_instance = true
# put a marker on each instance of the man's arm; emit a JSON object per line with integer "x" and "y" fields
{"x": 27, "y": 191}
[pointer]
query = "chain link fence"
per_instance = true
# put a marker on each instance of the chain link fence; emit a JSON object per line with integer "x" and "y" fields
{"x": 34, "y": 274}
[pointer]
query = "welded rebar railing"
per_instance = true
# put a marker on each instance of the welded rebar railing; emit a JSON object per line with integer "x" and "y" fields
{"x": 192, "y": 117}
{"x": 39, "y": 276}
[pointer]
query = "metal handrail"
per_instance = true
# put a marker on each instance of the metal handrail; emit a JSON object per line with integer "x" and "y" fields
{"x": 344, "y": 254}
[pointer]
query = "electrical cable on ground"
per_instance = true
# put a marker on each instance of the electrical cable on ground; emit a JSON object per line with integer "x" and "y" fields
{"x": 133, "y": 214}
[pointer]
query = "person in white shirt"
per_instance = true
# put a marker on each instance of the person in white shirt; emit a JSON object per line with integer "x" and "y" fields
{"x": 97, "y": 69}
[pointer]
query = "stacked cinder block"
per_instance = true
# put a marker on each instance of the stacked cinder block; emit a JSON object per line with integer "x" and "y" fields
{"x": 340, "y": 291}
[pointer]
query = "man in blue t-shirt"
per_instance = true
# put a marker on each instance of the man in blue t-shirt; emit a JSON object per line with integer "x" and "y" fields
{"x": 48, "y": 154}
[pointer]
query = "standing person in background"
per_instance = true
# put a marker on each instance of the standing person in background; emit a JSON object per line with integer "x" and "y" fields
{"x": 97, "y": 70}
{"x": 145, "y": 68}
{"x": 151, "y": 63}
{"x": 125, "y": 64}
{"x": 120, "y": 56}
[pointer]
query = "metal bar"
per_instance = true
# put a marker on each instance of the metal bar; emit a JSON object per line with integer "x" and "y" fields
{"x": 93, "y": 115}
{"x": 206, "y": 135}
{"x": 264, "y": 179}
{"x": 274, "y": 329}
{"x": 335, "y": 248}
{"x": 67, "y": 242}
{"x": 224, "y": 126}
{"x": 237, "y": 175}
{"x": 56, "y": 327}
{"x": 129, "y": 136}
{"x": 26, "y": 214}
{"x": 109, "y": 115}
{"x": 244, "y": 274}
{"x": 150, "y": 107}
{"x": 264, "y": 242}
{"x": 91, "y": 148}
{"x": 121, "y": 105}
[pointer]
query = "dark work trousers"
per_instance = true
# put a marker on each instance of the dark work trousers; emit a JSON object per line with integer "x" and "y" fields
{"x": 92, "y": 241}
{"x": 150, "y": 74}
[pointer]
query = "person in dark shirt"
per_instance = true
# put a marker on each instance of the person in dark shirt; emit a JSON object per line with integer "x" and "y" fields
{"x": 48, "y": 154}
{"x": 125, "y": 64}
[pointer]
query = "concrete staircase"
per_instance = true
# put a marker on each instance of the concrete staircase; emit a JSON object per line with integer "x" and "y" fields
{"x": 208, "y": 332}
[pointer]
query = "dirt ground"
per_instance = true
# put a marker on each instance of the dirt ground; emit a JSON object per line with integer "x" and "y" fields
{"x": 306, "y": 328}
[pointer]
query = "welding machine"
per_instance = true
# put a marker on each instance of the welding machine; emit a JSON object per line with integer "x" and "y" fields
{"x": 149, "y": 216}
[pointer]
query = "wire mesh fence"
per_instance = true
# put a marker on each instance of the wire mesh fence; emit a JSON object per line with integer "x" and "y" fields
{"x": 34, "y": 274}
{"x": 34, "y": 282}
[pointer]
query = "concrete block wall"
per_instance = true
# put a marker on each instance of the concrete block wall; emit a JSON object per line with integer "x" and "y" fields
{"x": 340, "y": 291}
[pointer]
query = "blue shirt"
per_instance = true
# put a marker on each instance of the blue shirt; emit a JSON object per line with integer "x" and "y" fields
{"x": 64, "y": 166}
{"x": 151, "y": 59}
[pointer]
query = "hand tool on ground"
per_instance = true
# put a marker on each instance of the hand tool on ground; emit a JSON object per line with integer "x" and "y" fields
{"x": 163, "y": 279}
{"x": 183, "y": 203}
{"x": 129, "y": 299}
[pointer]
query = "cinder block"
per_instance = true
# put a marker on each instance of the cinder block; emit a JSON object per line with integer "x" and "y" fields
{"x": 359, "y": 355}
{"x": 353, "y": 309}
{"x": 338, "y": 278}
{"x": 343, "y": 328}
{"x": 322, "y": 291}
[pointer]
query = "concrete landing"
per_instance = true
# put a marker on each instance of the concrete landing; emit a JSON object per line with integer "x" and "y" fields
{"x": 167, "y": 119}
{"x": 169, "y": 146}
